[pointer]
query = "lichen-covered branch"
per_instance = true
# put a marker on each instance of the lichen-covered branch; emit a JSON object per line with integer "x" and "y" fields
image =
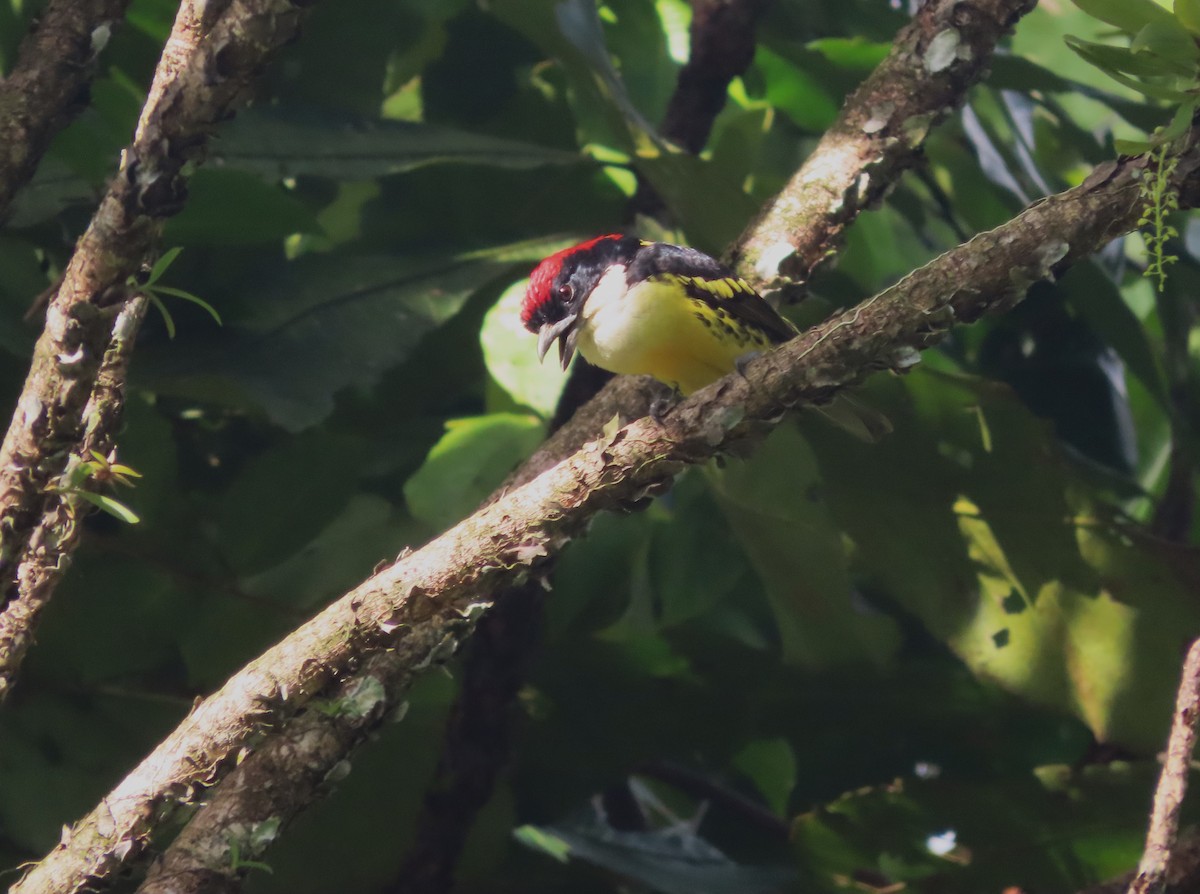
{"x": 48, "y": 85}
{"x": 878, "y": 135}
{"x": 1163, "y": 833}
{"x": 243, "y": 815}
{"x": 215, "y": 50}
{"x": 423, "y": 605}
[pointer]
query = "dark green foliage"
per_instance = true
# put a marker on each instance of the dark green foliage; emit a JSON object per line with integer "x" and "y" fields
{"x": 876, "y": 641}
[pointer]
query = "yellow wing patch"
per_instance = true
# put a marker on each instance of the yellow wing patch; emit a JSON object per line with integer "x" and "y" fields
{"x": 725, "y": 287}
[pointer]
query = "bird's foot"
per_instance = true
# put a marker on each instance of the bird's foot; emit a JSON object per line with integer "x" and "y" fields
{"x": 664, "y": 403}
{"x": 744, "y": 361}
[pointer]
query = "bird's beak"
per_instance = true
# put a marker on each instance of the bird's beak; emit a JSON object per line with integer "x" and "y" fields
{"x": 563, "y": 331}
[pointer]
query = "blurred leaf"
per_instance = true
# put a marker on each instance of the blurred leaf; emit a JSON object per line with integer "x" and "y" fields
{"x": 775, "y": 505}
{"x": 771, "y": 764}
{"x": 469, "y": 461}
{"x": 510, "y": 352}
{"x": 1057, "y": 830}
{"x": 236, "y": 208}
{"x": 709, "y": 208}
{"x": 288, "y": 142}
{"x": 1128, "y": 15}
{"x": 675, "y": 860}
{"x": 54, "y": 187}
{"x": 307, "y": 480}
{"x": 792, "y": 90}
{"x": 324, "y": 322}
{"x": 852, "y": 52}
{"x": 1030, "y": 591}
{"x": 1096, "y": 298}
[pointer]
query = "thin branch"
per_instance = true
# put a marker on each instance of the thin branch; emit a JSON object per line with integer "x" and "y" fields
{"x": 1161, "y": 837}
{"x": 72, "y": 397}
{"x": 48, "y": 86}
{"x": 426, "y": 603}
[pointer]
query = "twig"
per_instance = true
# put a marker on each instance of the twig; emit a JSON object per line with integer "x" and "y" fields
{"x": 1161, "y": 837}
{"x": 48, "y": 86}
{"x": 426, "y": 603}
{"x": 72, "y": 396}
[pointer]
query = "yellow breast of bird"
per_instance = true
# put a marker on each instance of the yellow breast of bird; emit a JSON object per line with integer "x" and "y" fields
{"x": 655, "y": 328}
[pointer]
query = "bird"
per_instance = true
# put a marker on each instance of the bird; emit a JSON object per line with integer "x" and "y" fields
{"x": 649, "y": 308}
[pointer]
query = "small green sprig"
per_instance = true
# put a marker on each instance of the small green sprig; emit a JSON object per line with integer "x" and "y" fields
{"x": 154, "y": 290}
{"x": 1160, "y": 198}
{"x": 100, "y": 469}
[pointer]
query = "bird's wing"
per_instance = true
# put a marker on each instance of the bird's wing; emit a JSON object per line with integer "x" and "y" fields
{"x": 710, "y": 281}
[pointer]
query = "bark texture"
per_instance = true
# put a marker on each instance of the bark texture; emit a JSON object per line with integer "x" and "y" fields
{"x": 879, "y": 134}
{"x": 71, "y": 400}
{"x": 48, "y": 85}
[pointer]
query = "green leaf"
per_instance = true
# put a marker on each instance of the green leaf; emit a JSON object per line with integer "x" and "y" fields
{"x": 1130, "y": 16}
{"x": 771, "y": 764}
{"x": 469, "y": 461}
{"x": 1132, "y": 147}
{"x": 509, "y": 350}
{"x": 1169, "y": 42}
{"x": 794, "y": 91}
{"x": 775, "y": 507}
{"x": 194, "y": 299}
{"x": 1030, "y": 590}
{"x": 673, "y": 861}
{"x": 1115, "y": 61}
{"x": 1056, "y": 830}
{"x": 115, "y": 508}
{"x": 1096, "y": 298}
{"x": 164, "y": 262}
{"x": 708, "y": 205}
{"x": 1187, "y": 13}
{"x": 314, "y": 326}
{"x": 227, "y": 207}
{"x": 168, "y": 320}
{"x": 290, "y": 141}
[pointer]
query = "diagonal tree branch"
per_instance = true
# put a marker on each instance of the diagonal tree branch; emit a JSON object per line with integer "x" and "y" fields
{"x": 421, "y": 607}
{"x": 48, "y": 86}
{"x": 215, "y": 50}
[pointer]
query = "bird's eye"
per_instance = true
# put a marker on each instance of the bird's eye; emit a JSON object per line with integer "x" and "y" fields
{"x": 565, "y": 291}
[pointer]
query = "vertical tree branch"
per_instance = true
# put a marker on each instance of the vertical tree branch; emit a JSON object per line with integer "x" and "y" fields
{"x": 1163, "y": 833}
{"x": 48, "y": 86}
{"x": 90, "y": 325}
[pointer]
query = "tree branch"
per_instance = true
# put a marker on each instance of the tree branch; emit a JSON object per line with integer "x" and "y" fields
{"x": 1162, "y": 835}
{"x": 48, "y": 86}
{"x": 880, "y": 133}
{"x": 426, "y": 603}
{"x": 71, "y": 399}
